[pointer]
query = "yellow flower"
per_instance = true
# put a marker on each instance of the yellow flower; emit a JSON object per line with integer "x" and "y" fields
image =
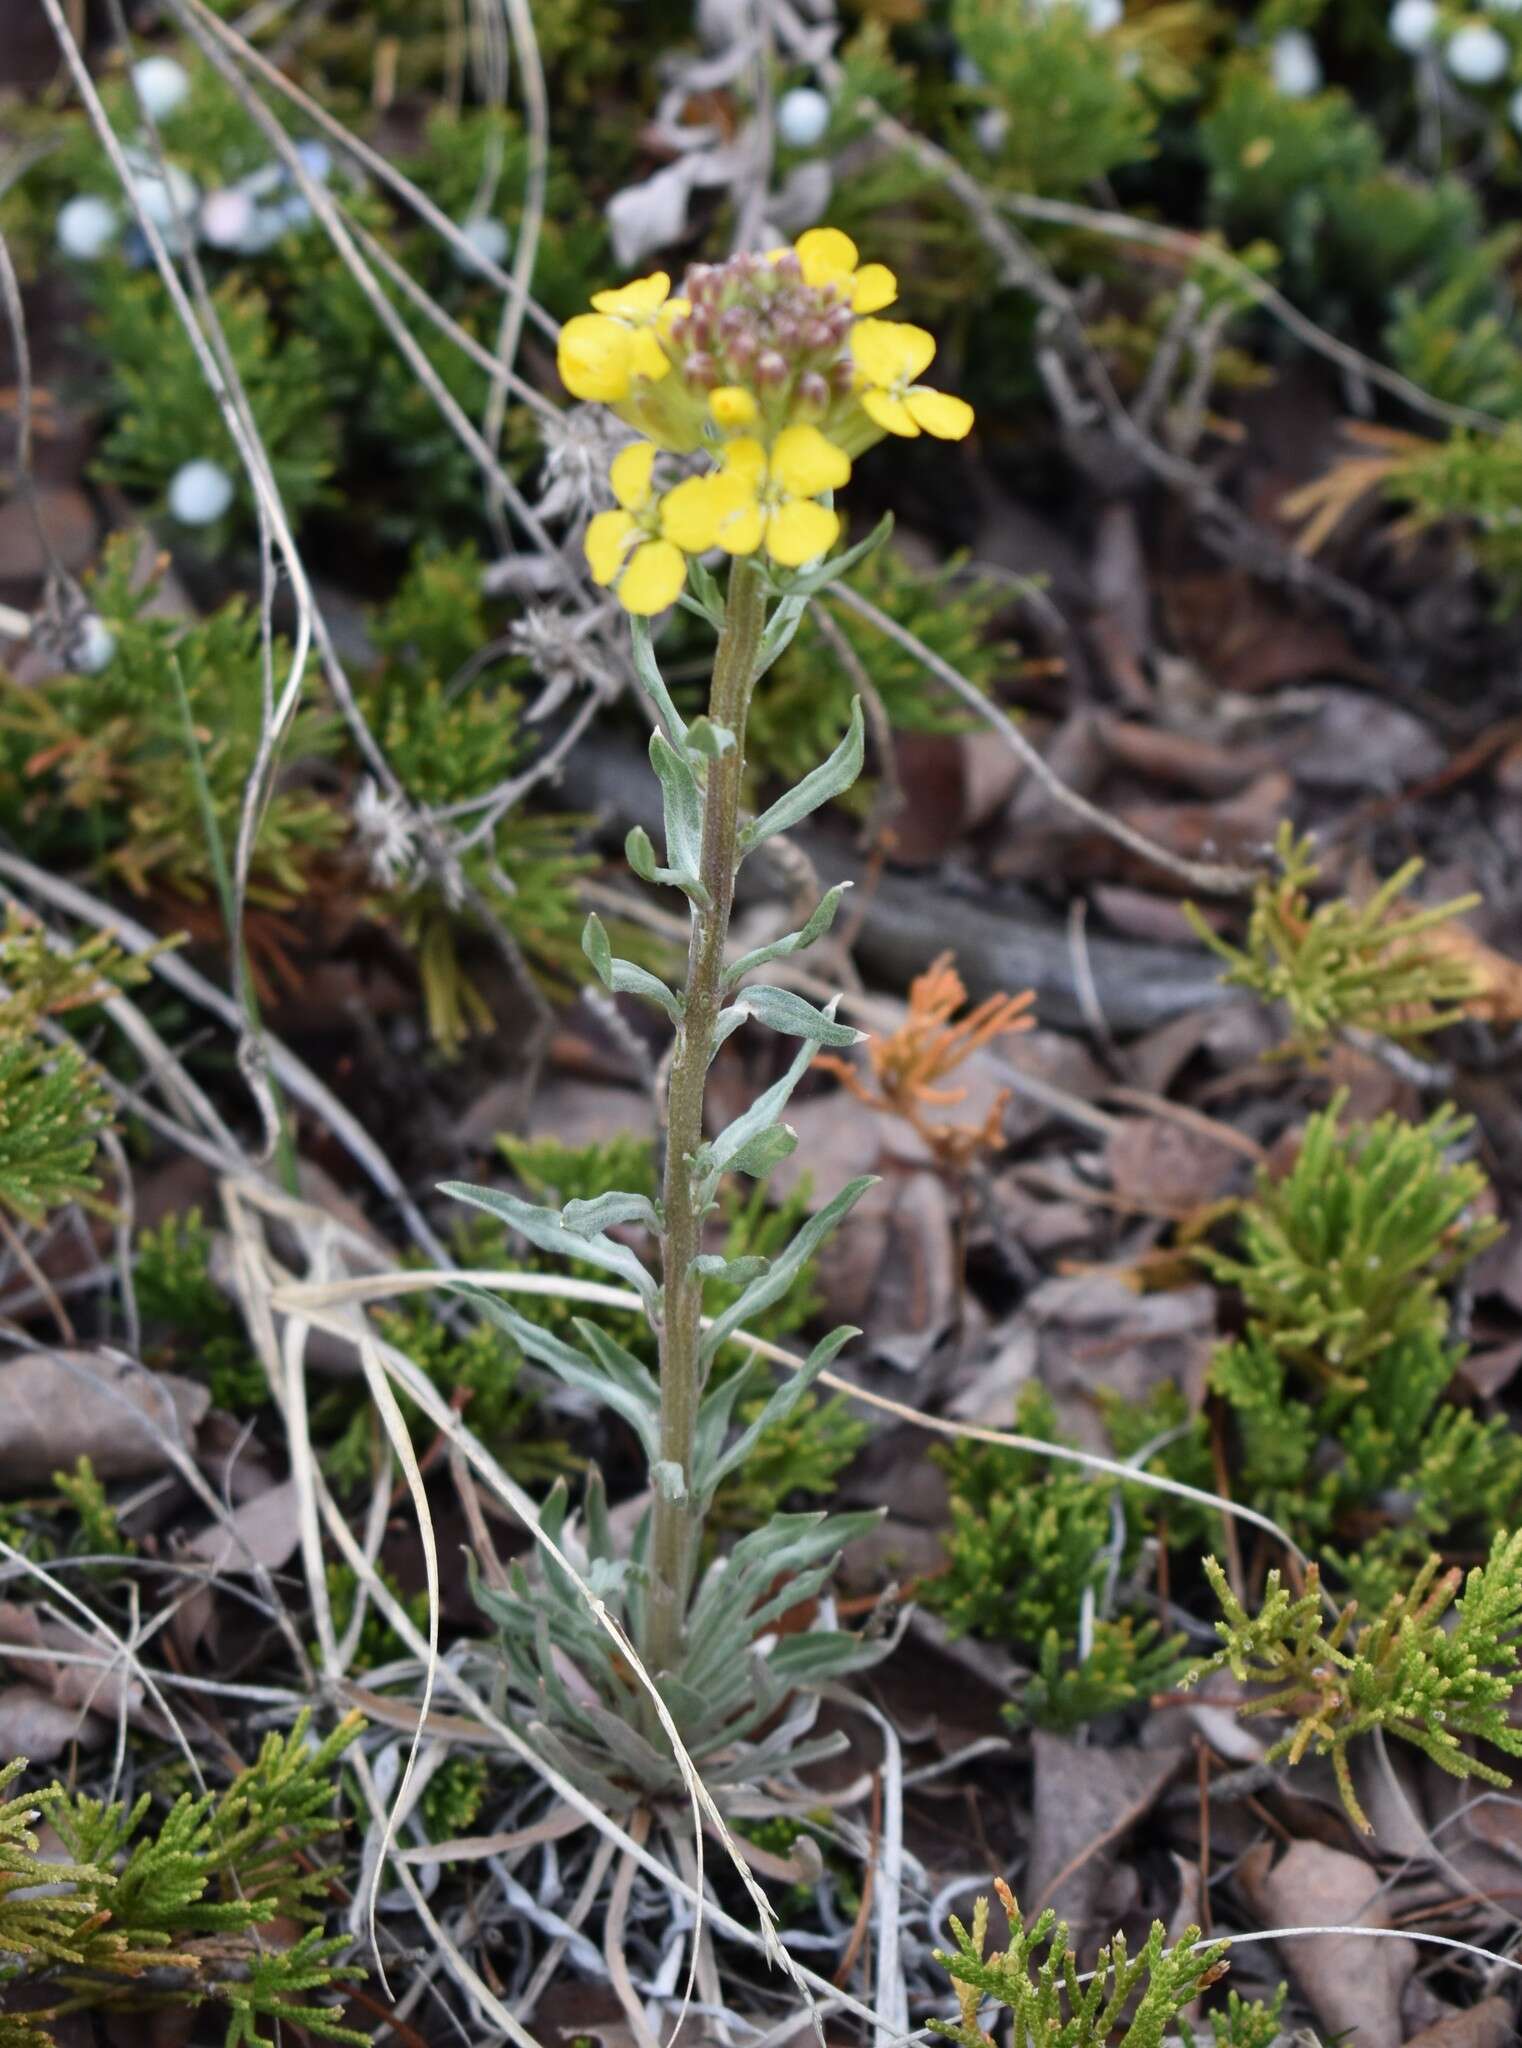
{"x": 630, "y": 548}
{"x": 770, "y": 500}
{"x": 732, "y": 405}
{"x": 601, "y": 353}
{"x": 889, "y": 355}
{"x": 829, "y": 257}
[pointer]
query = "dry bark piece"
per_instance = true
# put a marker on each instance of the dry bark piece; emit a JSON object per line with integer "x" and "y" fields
{"x": 1349, "y": 1982}
{"x": 57, "y": 1407}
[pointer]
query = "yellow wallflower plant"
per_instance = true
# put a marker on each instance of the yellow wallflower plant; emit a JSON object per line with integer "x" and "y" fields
{"x": 752, "y": 389}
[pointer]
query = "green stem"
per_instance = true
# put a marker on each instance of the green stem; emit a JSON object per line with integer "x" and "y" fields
{"x": 675, "y": 1522}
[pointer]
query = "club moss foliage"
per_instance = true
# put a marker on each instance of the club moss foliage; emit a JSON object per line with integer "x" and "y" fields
{"x": 179, "y": 1910}
{"x": 1339, "y": 1411}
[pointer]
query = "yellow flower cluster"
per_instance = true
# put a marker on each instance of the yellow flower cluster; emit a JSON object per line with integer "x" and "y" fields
{"x": 774, "y": 367}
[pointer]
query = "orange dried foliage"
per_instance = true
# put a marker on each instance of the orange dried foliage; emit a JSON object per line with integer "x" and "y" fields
{"x": 910, "y": 1065}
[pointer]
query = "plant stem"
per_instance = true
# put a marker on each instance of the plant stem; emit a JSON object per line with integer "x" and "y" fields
{"x": 674, "y": 1527}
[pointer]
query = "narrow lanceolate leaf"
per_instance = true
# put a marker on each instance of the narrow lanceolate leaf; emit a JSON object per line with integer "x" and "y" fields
{"x": 707, "y": 598}
{"x": 683, "y": 805}
{"x": 766, "y": 1151}
{"x": 653, "y": 683}
{"x": 786, "y": 1267}
{"x": 829, "y": 779}
{"x": 594, "y": 943}
{"x": 781, "y": 1404}
{"x": 735, "y": 1272}
{"x": 763, "y": 1113}
{"x": 640, "y": 854}
{"x": 781, "y": 1010}
{"x": 543, "y": 1227}
{"x": 807, "y": 584}
{"x": 795, "y": 942}
{"x": 637, "y": 1402}
{"x": 780, "y": 632}
{"x": 622, "y": 976}
{"x": 586, "y": 1219}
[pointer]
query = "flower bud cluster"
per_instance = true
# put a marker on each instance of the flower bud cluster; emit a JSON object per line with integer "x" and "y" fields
{"x": 776, "y": 367}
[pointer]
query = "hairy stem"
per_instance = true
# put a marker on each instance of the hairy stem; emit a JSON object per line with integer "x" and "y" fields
{"x": 674, "y": 1528}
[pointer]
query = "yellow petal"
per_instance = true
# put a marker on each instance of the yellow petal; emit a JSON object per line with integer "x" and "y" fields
{"x": 948, "y": 418}
{"x": 670, "y": 313}
{"x": 629, "y": 474}
{"x": 827, "y": 256}
{"x": 606, "y": 543}
{"x": 875, "y": 287}
{"x": 805, "y": 462}
{"x": 692, "y": 511}
{"x": 891, "y": 414}
{"x": 799, "y": 531}
{"x": 745, "y": 459}
{"x": 594, "y": 358}
{"x": 653, "y": 579}
{"x": 646, "y": 356}
{"x": 741, "y": 528}
{"x": 637, "y": 301}
{"x": 732, "y": 405}
{"x": 891, "y": 351}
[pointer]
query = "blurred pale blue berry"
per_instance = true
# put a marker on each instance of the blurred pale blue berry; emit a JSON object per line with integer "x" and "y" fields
{"x": 1413, "y": 24}
{"x": 488, "y": 239}
{"x": 316, "y": 159}
{"x": 161, "y": 85}
{"x": 94, "y": 645}
{"x": 1295, "y": 66}
{"x": 1478, "y": 54}
{"x": 803, "y": 117}
{"x": 87, "y": 227}
{"x": 225, "y": 218}
{"x": 200, "y": 492}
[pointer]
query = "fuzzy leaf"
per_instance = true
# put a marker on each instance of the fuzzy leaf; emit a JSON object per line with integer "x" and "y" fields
{"x": 638, "y": 1403}
{"x": 766, "y": 1151}
{"x": 830, "y": 779}
{"x": 543, "y": 1227}
{"x": 795, "y": 942}
{"x": 786, "y": 1267}
{"x": 762, "y": 1115}
{"x": 782, "y": 1403}
{"x": 651, "y": 681}
{"x": 586, "y": 1219}
{"x": 710, "y": 740}
{"x": 640, "y": 854}
{"x": 781, "y": 1010}
{"x": 683, "y": 804}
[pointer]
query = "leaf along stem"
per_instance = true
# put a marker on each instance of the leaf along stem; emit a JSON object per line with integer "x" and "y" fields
{"x": 674, "y": 1521}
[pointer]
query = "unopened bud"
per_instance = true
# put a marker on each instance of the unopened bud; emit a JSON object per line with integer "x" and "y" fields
{"x": 812, "y": 393}
{"x": 771, "y": 368}
{"x": 701, "y": 370}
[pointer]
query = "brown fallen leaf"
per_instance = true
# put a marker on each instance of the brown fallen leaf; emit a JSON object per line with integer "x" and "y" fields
{"x": 1490, "y": 2024}
{"x": 1497, "y": 997}
{"x": 1351, "y": 1983}
{"x": 1086, "y": 1802}
{"x": 57, "y": 1407}
{"x": 35, "y": 1725}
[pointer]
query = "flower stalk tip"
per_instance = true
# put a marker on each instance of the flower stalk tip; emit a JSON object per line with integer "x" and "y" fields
{"x": 774, "y": 369}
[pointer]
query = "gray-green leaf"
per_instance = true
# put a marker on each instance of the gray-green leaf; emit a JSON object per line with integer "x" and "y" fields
{"x": 786, "y": 1267}
{"x": 828, "y": 780}
{"x": 795, "y": 942}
